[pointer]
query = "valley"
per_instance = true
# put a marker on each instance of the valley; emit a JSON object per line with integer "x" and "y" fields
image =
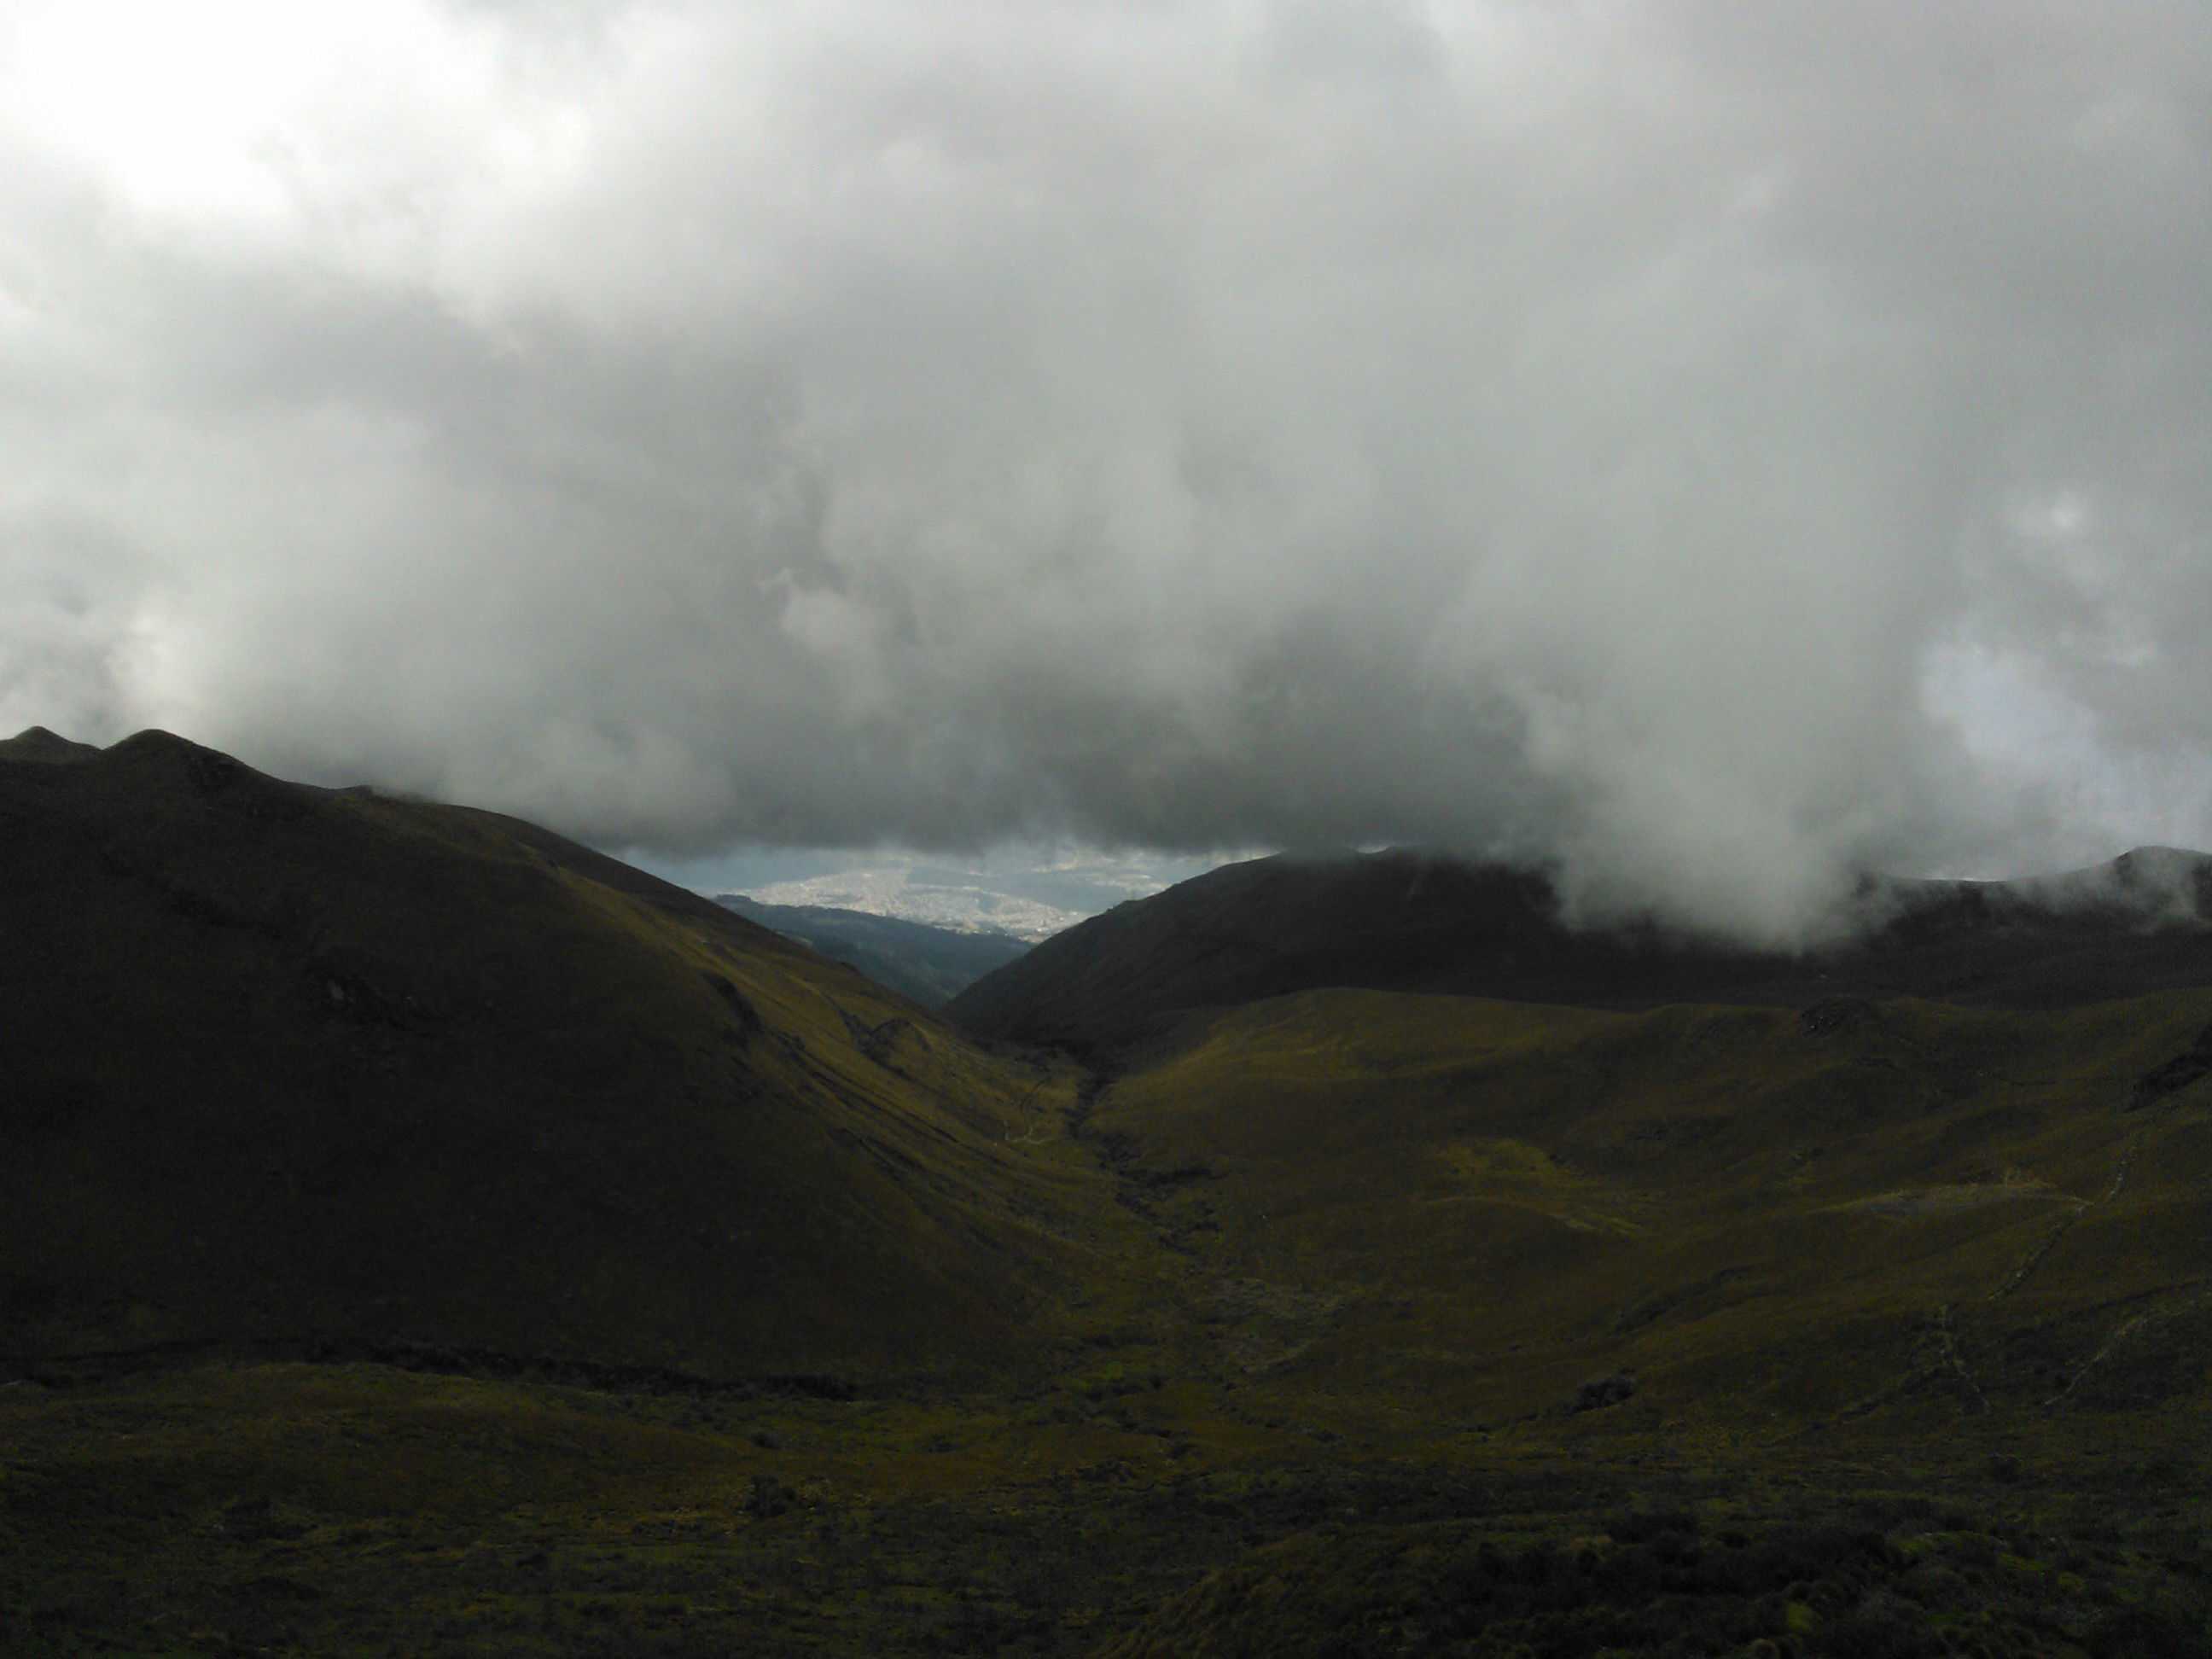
{"x": 930, "y": 965}
{"x": 422, "y": 1234}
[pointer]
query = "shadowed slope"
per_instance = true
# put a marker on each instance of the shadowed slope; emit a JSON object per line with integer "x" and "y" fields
{"x": 289, "y": 1065}
{"x": 1766, "y": 1219}
{"x": 1413, "y": 1323}
{"x": 1411, "y": 921}
{"x": 36, "y": 745}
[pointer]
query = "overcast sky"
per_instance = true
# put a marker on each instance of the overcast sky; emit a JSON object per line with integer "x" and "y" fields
{"x": 1714, "y": 444}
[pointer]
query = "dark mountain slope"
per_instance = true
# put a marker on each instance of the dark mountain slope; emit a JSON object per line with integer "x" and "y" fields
{"x": 285, "y": 1065}
{"x": 1414, "y": 1323}
{"x": 35, "y": 745}
{"x": 1759, "y": 1214}
{"x": 1414, "y": 922}
{"x": 926, "y": 964}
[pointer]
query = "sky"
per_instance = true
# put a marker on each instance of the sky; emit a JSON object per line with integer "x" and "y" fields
{"x": 1710, "y": 447}
{"x": 1031, "y": 891}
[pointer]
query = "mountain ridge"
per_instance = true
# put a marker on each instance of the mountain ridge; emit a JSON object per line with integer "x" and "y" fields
{"x": 1404, "y": 919}
{"x": 419, "y": 1233}
{"x": 322, "y": 1066}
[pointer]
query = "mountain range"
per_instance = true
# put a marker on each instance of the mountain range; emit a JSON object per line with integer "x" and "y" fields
{"x": 421, "y": 1233}
{"x": 1410, "y": 920}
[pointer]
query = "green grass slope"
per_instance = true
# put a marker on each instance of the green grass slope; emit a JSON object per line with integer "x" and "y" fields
{"x": 1722, "y": 1220}
{"x": 296, "y": 1066}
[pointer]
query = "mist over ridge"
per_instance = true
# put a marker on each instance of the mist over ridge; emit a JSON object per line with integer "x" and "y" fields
{"x": 1706, "y": 449}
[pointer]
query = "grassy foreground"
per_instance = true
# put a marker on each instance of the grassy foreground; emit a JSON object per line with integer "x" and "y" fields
{"x": 361, "y": 1510}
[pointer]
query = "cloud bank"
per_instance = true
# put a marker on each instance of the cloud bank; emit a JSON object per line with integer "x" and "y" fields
{"x": 1714, "y": 445}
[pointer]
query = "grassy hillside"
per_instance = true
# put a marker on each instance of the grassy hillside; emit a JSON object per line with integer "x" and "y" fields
{"x": 1754, "y": 1219}
{"x": 297, "y": 1067}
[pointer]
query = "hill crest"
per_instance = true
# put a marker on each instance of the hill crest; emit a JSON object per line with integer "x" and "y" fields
{"x": 1410, "y": 920}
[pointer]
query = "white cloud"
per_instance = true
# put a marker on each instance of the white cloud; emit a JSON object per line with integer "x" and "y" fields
{"x": 1592, "y": 430}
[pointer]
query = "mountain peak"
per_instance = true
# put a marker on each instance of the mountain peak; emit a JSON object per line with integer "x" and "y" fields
{"x": 37, "y": 746}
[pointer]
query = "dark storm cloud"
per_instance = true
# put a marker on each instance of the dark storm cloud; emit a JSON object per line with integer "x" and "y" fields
{"x": 1717, "y": 446}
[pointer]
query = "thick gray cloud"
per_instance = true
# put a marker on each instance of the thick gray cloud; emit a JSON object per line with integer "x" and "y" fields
{"x": 1718, "y": 446}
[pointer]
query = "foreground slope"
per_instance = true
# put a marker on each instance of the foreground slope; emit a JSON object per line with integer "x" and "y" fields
{"x": 1404, "y": 920}
{"x": 297, "y": 1067}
